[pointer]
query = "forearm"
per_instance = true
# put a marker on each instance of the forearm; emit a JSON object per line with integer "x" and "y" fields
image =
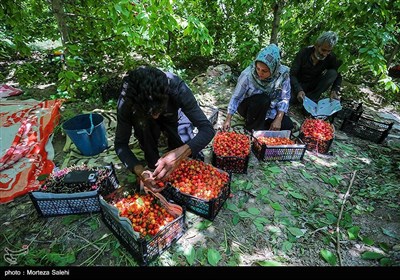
{"x": 279, "y": 116}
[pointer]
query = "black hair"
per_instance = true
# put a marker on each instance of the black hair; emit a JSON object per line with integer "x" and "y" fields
{"x": 146, "y": 90}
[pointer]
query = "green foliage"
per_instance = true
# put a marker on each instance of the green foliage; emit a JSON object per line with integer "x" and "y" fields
{"x": 113, "y": 36}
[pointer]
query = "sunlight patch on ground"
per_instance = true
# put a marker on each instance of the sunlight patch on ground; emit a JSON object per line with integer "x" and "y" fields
{"x": 365, "y": 160}
{"x": 328, "y": 162}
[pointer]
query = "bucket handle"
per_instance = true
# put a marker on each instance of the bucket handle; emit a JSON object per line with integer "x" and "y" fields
{"x": 91, "y": 127}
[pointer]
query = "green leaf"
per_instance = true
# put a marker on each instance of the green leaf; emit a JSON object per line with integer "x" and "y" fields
{"x": 385, "y": 247}
{"x": 389, "y": 233}
{"x": 249, "y": 186}
{"x": 328, "y": 257}
{"x": 231, "y": 206}
{"x": 274, "y": 169}
{"x": 42, "y": 177}
{"x": 213, "y": 257}
{"x": 334, "y": 181}
{"x": 295, "y": 231}
{"x": 262, "y": 220}
{"x": 306, "y": 175}
{"x": 244, "y": 214}
{"x": 287, "y": 246}
{"x": 93, "y": 224}
{"x": 371, "y": 255}
{"x": 386, "y": 262}
{"x": 70, "y": 219}
{"x": 253, "y": 210}
{"x": 297, "y": 195}
{"x": 269, "y": 263}
{"x": 235, "y": 219}
{"x": 367, "y": 241}
{"x": 353, "y": 232}
{"x": 276, "y": 206}
{"x": 203, "y": 224}
{"x": 260, "y": 227}
{"x": 190, "y": 255}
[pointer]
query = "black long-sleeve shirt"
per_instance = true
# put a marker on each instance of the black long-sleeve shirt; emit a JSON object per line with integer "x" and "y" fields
{"x": 304, "y": 71}
{"x": 180, "y": 96}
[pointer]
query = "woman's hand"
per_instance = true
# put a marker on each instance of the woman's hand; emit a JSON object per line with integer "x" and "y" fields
{"x": 276, "y": 125}
{"x": 227, "y": 123}
{"x": 171, "y": 160}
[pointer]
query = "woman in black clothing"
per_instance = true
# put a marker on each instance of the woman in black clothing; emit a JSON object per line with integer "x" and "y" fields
{"x": 148, "y": 104}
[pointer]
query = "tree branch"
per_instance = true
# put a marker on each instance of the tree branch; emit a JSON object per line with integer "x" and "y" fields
{"x": 340, "y": 217}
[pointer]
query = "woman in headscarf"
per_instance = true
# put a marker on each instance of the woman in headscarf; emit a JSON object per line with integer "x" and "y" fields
{"x": 262, "y": 93}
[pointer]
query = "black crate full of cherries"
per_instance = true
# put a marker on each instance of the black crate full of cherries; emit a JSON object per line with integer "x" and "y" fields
{"x": 74, "y": 190}
{"x": 231, "y": 151}
{"x": 317, "y": 134}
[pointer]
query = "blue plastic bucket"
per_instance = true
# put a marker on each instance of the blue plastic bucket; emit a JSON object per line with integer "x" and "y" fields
{"x": 88, "y": 133}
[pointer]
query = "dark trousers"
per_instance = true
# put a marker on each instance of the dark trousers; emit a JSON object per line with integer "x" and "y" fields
{"x": 314, "y": 89}
{"x": 149, "y": 135}
{"x": 287, "y": 123}
{"x": 254, "y": 110}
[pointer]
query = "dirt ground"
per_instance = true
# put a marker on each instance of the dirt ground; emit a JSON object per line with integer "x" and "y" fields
{"x": 280, "y": 213}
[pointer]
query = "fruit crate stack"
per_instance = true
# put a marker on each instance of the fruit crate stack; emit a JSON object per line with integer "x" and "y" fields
{"x": 74, "y": 190}
{"x": 145, "y": 224}
{"x": 231, "y": 151}
{"x": 200, "y": 187}
{"x": 270, "y": 145}
{"x": 367, "y": 128}
{"x": 317, "y": 134}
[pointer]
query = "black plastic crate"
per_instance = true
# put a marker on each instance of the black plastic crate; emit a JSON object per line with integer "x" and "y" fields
{"x": 350, "y": 109}
{"x": 264, "y": 152}
{"x": 144, "y": 250}
{"x": 314, "y": 145}
{"x": 366, "y": 128}
{"x": 57, "y": 204}
{"x": 205, "y": 208}
{"x": 232, "y": 164}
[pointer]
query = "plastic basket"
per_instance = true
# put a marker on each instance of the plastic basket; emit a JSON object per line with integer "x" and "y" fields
{"x": 264, "y": 152}
{"x": 144, "y": 250}
{"x": 205, "y": 208}
{"x": 58, "y": 204}
{"x": 366, "y": 128}
{"x": 349, "y": 107}
{"x": 232, "y": 164}
{"x": 314, "y": 144}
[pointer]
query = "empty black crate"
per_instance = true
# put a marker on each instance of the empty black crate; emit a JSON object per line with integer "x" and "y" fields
{"x": 144, "y": 250}
{"x": 205, "y": 208}
{"x": 349, "y": 108}
{"x": 57, "y": 204}
{"x": 281, "y": 152}
{"x": 367, "y": 128}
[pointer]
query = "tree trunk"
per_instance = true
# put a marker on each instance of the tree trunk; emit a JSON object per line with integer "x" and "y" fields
{"x": 276, "y": 21}
{"x": 59, "y": 14}
{"x": 393, "y": 53}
